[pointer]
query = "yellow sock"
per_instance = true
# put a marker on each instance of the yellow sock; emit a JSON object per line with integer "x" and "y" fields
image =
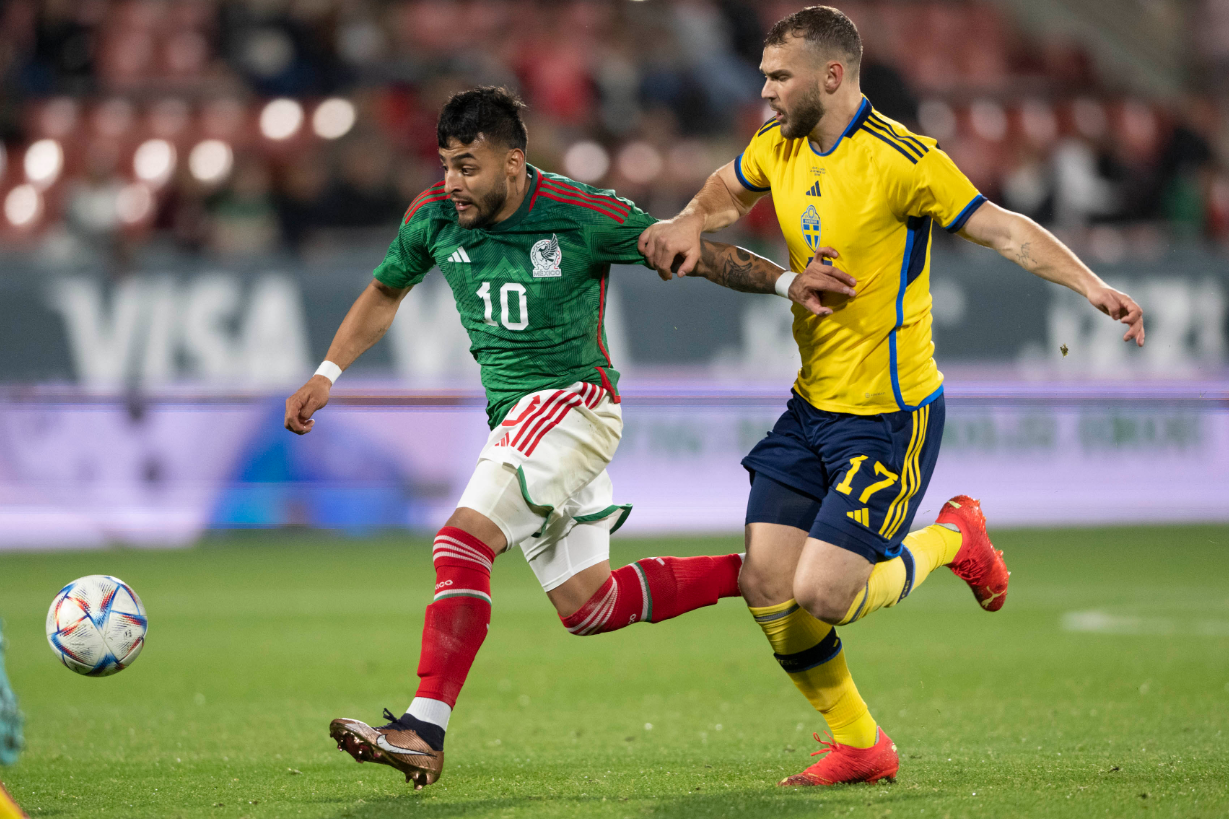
{"x": 811, "y": 653}
{"x": 9, "y": 809}
{"x": 892, "y": 581}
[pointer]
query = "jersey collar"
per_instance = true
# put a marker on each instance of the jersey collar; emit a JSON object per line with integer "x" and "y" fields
{"x": 535, "y": 177}
{"x": 864, "y": 111}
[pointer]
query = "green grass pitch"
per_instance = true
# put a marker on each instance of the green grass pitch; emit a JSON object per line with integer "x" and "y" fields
{"x": 257, "y": 641}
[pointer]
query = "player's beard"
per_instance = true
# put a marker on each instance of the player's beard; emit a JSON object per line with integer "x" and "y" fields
{"x": 807, "y": 113}
{"x": 485, "y": 207}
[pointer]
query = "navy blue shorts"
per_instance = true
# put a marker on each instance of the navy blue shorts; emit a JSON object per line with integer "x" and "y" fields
{"x": 854, "y": 481}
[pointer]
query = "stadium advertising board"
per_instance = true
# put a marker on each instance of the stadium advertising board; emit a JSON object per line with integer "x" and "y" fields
{"x": 88, "y": 471}
{"x": 267, "y": 325}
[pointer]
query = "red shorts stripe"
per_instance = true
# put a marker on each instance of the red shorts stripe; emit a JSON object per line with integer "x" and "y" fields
{"x": 565, "y": 406}
{"x": 542, "y": 410}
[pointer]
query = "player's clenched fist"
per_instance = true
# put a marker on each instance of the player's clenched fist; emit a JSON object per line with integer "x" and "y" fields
{"x": 663, "y": 243}
{"x": 303, "y": 404}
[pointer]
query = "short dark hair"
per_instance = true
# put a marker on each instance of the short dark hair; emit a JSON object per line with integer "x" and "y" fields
{"x": 490, "y": 112}
{"x": 824, "y": 27}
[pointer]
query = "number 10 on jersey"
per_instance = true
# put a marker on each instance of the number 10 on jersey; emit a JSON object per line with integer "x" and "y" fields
{"x": 505, "y": 313}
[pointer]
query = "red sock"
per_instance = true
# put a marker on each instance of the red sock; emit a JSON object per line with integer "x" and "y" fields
{"x": 656, "y": 589}
{"x": 458, "y": 618}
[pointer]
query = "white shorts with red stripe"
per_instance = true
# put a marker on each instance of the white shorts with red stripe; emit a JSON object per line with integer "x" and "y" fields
{"x": 541, "y": 478}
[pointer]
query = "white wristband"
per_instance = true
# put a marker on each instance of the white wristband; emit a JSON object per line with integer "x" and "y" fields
{"x": 329, "y": 370}
{"x": 783, "y": 283}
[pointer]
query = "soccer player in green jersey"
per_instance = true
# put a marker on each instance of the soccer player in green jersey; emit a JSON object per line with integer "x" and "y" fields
{"x": 10, "y": 738}
{"x": 527, "y": 255}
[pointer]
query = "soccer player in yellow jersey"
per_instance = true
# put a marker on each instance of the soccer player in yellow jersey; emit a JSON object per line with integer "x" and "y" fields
{"x": 835, "y": 485}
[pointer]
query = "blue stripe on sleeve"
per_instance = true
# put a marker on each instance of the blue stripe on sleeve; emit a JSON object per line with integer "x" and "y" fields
{"x": 959, "y": 221}
{"x": 738, "y": 171}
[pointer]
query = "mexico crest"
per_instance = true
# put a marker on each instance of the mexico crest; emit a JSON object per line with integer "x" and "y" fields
{"x": 546, "y": 256}
{"x": 810, "y": 227}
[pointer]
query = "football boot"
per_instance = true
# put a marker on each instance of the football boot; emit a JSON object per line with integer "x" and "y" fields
{"x": 841, "y": 764}
{"x": 396, "y": 744}
{"x": 977, "y": 563}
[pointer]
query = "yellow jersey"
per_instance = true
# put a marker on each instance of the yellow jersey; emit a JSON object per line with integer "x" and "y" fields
{"x": 872, "y": 197}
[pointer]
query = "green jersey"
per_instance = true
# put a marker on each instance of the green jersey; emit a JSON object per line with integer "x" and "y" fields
{"x": 531, "y": 290}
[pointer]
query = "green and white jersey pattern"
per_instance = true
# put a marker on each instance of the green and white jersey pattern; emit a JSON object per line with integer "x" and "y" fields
{"x": 531, "y": 290}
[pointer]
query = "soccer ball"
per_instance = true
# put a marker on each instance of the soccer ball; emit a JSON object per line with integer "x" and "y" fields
{"x": 96, "y": 625}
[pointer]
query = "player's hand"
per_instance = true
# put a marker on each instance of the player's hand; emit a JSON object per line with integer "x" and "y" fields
{"x": 1120, "y": 307}
{"x": 663, "y": 243}
{"x": 303, "y": 404}
{"x": 821, "y": 277}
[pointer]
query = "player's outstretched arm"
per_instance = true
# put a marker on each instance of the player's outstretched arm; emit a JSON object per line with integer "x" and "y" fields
{"x": 739, "y": 269}
{"x": 369, "y": 318}
{"x": 720, "y": 203}
{"x": 1023, "y": 241}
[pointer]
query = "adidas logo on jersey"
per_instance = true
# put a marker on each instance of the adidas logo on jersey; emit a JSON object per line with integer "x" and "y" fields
{"x": 459, "y": 256}
{"x": 814, "y": 190}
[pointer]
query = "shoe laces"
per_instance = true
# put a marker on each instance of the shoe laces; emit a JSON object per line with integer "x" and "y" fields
{"x": 829, "y": 744}
{"x": 394, "y": 721}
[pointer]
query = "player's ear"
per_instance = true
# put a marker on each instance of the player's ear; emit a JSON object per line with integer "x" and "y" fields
{"x": 833, "y": 76}
{"x": 515, "y": 162}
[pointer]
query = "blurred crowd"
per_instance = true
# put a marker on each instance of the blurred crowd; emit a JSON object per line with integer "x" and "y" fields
{"x": 238, "y": 129}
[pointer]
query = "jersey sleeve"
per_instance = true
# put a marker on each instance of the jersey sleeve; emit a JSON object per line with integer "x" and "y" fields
{"x": 408, "y": 259}
{"x": 617, "y": 242}
{"x": 752, "y": 165}
{"x": 934, "y": 187}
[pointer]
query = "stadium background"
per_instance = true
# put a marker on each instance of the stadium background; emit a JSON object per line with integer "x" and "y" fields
{"x": 194, "y": 192}
{"x": 191, "y": 195}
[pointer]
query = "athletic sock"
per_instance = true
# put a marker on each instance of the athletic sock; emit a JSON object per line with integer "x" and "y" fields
{"x": 456, "y": 622}
{"x": 429, "y": 719}
{"x": 9, "y": 809}
{"x": 811, "y": 654}
{"x": 891, "y": 581}
{"x": 656, "y": 589}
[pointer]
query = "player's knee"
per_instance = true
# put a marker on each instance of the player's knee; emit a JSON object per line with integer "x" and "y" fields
{"x": 820, "y": 602}
{"x": 760, "y": 587}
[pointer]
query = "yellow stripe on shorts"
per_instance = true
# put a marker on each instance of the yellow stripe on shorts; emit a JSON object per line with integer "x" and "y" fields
{"x": 904, "y": 480}
{"x": 910, "y": 475}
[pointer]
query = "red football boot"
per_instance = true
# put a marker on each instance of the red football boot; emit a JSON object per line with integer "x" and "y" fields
{"x": 845, "y": 764}
{"x": 977, "y": 563}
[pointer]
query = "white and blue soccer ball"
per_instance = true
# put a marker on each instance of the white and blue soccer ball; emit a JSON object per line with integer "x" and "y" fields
{"x": 96, "y": 625}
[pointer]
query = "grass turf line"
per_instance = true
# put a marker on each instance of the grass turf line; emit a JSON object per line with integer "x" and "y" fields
{"x": 257, "y": 640}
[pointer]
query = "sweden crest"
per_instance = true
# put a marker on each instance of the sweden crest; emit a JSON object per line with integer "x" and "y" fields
{"x": 810, "y": 227}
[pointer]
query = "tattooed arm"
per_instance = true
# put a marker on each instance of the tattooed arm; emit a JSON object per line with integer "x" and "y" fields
{"x": 1023, "y": 241}
{"x": 736, "y": 268}
{"x": 739, "y": 269}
